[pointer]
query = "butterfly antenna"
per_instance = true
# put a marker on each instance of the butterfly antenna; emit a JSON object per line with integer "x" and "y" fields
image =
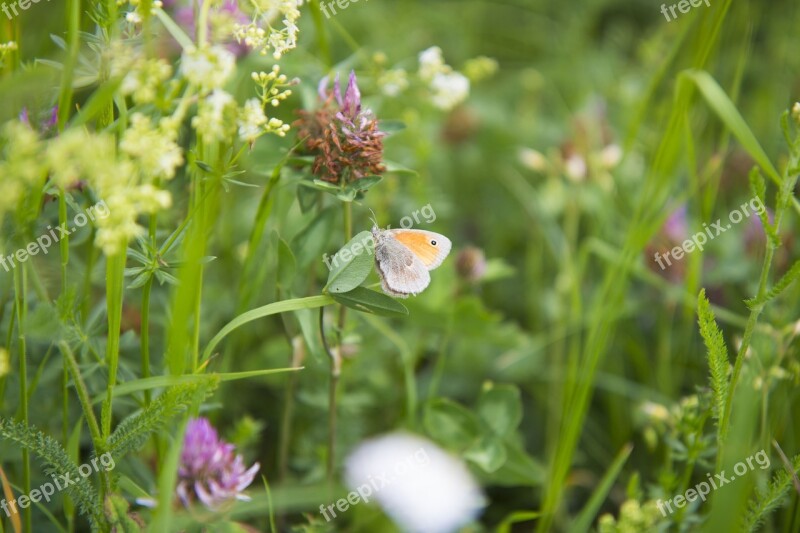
{"x": 374, "y": 218}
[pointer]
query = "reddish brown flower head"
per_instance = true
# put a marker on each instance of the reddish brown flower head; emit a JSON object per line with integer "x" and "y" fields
{"x": 343, "y": 137}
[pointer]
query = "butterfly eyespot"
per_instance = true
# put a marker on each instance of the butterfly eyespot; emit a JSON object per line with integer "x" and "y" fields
{"x": 433, "y": 243}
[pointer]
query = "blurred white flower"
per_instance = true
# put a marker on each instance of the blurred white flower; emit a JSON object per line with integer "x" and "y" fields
{"x": 422, "y": 488}
{"x": 208, "y": 68}
{"x": 532, "y": 159}
{"x": 216, "y": 116}
{"x": 449, "y": 90}
{"x": 610, "y": 156}
{"x": 575, "y": 167}
{"x": 393, "y": 82}
{"x": 155, "y": 151}
{"x": 432, "y": 63}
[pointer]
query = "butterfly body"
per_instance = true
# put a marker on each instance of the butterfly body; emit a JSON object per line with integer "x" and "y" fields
{"x": 405, "y": 256}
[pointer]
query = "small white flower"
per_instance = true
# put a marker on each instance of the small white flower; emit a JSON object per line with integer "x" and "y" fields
{"x": 252, "y": 120}
{"x": 449, "y": 90}
{"x": 424, "y": 489}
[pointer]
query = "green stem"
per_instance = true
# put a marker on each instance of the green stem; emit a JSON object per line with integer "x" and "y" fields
{"x": 73, "y": 12}
{"x": 785, "y": 196}
{"x": 115, "y": 268}
{"x": 322, "y": 33}
{"x": 145, "y": 334}
{"x": 21, "y": 304}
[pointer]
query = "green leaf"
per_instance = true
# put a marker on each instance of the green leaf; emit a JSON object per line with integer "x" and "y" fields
{"x": 771, "y": 497}
{"x": 363, "y": 299}
{"x": 132, "y": 433}
{"x": 397, "y": 168}
{"x": 726, "y": 110}
{"x": 58, "y": 462}
{"x": 310, "y": 242}
{"x": 391, "y": 126}
{"x": 287, "y": 264}
{"x": 451, "y": 424}
{"x": 500, "y": 408}
{"x": 307, "y": 198}
{"x": 587, "y": 515}
{"x": 367, "y": 182}
{"x": 261, "y": 312}
{"x": 515, "y": 518}
{"x": 519, "y": 468}
{"x": 351, "y": 265}
{"x": 488, "y": 453}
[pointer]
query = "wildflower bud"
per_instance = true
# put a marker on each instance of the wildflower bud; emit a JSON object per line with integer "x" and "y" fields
{"x": 533, "y": 159}
{"x": 796, "y": 112}
{"x": 471, "y": 264}
{"x": 255, "y": 76}
{"x": 379, "y": 58}
{"x": 275, "y": 102}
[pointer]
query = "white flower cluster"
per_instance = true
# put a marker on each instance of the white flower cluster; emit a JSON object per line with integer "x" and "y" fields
{"x": 154, "y": 150}
{"x": 144, "y": 78}
{"x": 261, "y": 35}
{"x": 135, "y": 16}
{"x": 253, "y": 122}
{"x": 20, "y": 165}
{"x": 124, "y": 179}
{"x": 449, "y": 88}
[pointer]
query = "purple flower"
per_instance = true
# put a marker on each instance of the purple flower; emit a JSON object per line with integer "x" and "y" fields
{"x": 45, "y": 126}
{"x": 346, "y": 141}
{"x": 210, "y": 471}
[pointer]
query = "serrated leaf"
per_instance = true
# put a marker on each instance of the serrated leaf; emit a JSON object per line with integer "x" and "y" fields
{"x": 363, "y": 299}
{"x": 718, "y": 361}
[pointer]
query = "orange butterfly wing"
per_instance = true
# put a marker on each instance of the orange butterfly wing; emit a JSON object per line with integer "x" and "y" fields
{"x": 419, "y": 242}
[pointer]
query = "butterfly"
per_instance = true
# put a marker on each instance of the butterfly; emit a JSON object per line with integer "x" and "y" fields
{"x": 404, "y": 257}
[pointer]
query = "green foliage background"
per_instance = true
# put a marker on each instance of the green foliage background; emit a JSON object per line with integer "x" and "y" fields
{"x": 573, "y": 378}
